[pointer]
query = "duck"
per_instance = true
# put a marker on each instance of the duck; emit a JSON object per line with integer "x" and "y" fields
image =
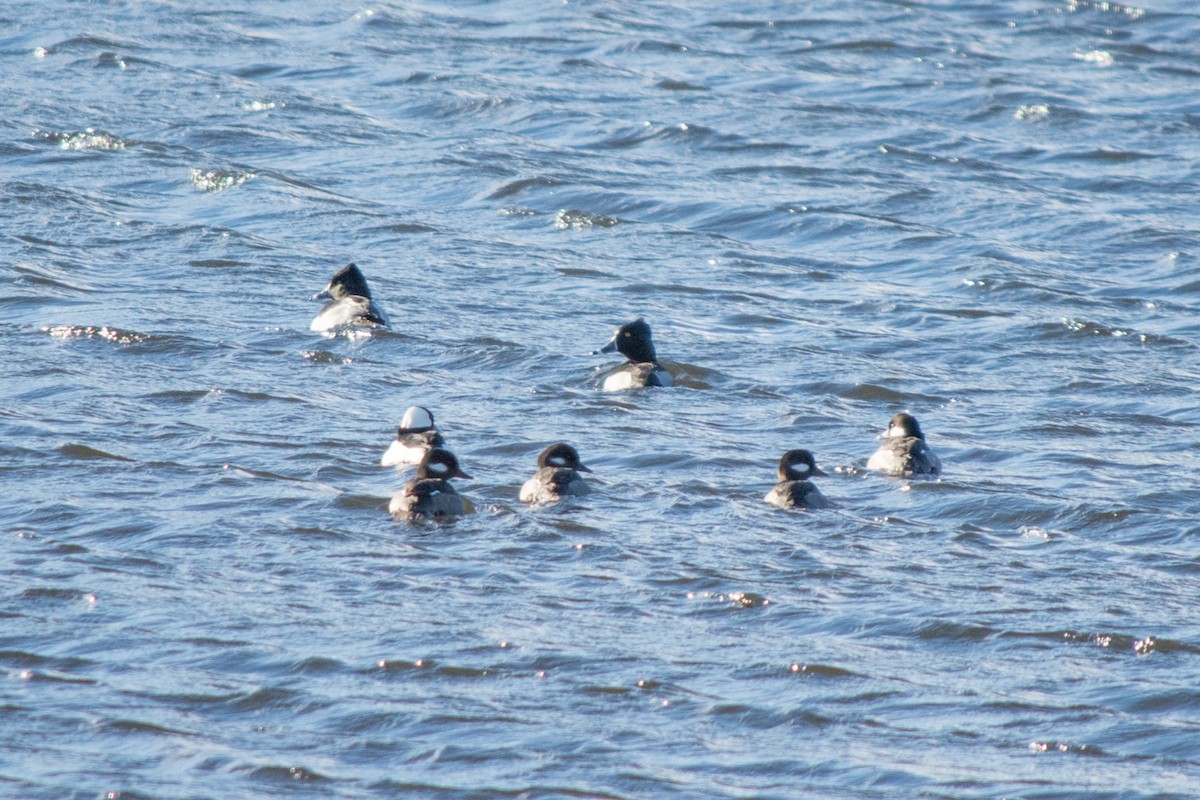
{"x": 904, "y": 452}
{"x": 557, "y": 476}
{"x": 416, "y": 436}
{"x": 350, "y": 303}
{"x": 430, "y": 494}
{"x": 793, "y": 489}
{"x": 633, "y": 341}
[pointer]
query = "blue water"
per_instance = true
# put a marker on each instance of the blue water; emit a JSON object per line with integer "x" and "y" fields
{"x": 981, "y": 213}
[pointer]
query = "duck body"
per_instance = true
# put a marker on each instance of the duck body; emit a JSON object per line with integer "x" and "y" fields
{"x": 904, "y": 452}
{"x": 636, "y": 375}
{"x": 350, "y": 303}
{"x": 633, "y": 341}
{"x": 430, "y": 495}
{"x": 557, "y": 476}
{"x": 794, "y": 489}
{"x": 416, "y": 436}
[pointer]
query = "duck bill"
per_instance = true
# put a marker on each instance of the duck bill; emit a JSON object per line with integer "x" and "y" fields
{"x": 611, "y": 347}
{"x": 322, "y": 295}
{"x": 461, "y": 474}
{"x": 582, "y": 468}
{"x": 819, "y": 471}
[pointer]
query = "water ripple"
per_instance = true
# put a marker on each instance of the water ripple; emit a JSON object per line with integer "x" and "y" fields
{"x": 87, "y": 139}
{"x": 979, "y": 213}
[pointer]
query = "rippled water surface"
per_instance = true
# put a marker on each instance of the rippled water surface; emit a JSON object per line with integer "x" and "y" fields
{"x": 981, "y": 213}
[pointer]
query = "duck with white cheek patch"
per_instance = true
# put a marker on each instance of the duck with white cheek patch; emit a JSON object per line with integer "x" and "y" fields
{"x": 794, "y": 489}
{"x": 904, "y": 452}
{"x": 557, "y": 476}
{"x": 416, "y": 437}
{"x": 430, "y": 495}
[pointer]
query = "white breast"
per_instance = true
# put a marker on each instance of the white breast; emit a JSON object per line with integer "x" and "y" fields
{"x": 400, "y": 454}
{"x": 620, "y": 380}
{"x": 885, "y": 460}
{"x": 339, "y": 313}
{"x": 530, "y": 491}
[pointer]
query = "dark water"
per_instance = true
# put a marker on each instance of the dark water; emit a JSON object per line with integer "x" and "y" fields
{"x": 983, "y": 213}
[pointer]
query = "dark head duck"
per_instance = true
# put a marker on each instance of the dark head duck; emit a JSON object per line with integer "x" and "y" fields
{"x": 430, "y": 494}
{"x": 904, "y": 451}
{"x": 633, "y": 341}
{"x": 350, "y": 303}
{"x": 416, "y": 436}
{"x": 557, "y": 476}
{"x": 793, "y": 489}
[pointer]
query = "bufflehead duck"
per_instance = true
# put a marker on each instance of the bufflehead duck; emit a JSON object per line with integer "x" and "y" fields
{"x": 632, "y": 340}
{"x": 349, "y": 303}
{"x": 793, "y": 489}
{"x": 416, "y": 437}
{"x": 430, "y": 493}
{"x": 904, "y": 451}
{"x": 557, "y": 476}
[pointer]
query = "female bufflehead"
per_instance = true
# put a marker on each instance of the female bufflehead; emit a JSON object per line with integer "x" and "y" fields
{"x": 557, "y": 476}
{"x": 904, "y": 451}
{"x": 793, "y": 489}
{"x": 349, "y": 303}
{"x": 632, "y": 340}
{"x": 416, "y": 437}
{"x": 430, "y": 493}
